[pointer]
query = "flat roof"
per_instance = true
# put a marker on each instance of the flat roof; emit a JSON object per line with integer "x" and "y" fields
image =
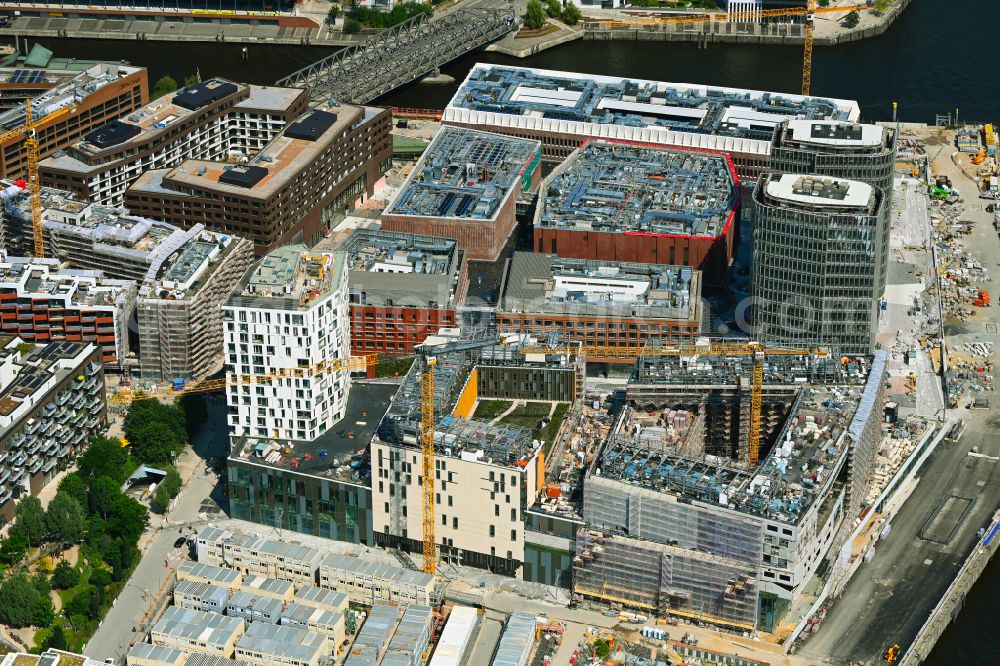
{"x": 340, "y": 453}
{"x": 188, "y": 270}
{"x": 270, "y": 98}
{"x": 715, "y": 117}
{"x": 618, "y": 187}
{"x": 398, "y": 575}
{"x": 465, "y": 174}
{"x": 285, "y": 158}
{"x": 409, "y": 270}
{"x": 201, "y": 626}
{"x": 36, "y": 371}
{"x": 45, "y": 278}
{"x": 291, "y": 276}
{"x": 820, "y": 191}
{"x": 284, "y": 550}
{"x": 158, "y": 653}
{"x": 543, "y": 283}
{"x": 218, "y": 575}
{"x": 833, "y": 133}
{"x": 288, "y": 642}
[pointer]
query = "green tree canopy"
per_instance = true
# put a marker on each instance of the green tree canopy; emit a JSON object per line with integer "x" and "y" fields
{"x": 852, "y": 19}
{"x": 103, "y": 493}
{"x": 57, "y": 639}
{"x": 73, "y": 485}
{"x": 104, "y": 457}
{"x": 64, "y": 519}
{"x": 29, "y": 520}
{"x": 13, "y": 548}
{"x": 553, "y": 8}
{"x": 155, "y": 430}
{"x": 534, "y": 18}
{"x": 164, "y": 86}
{"x": 65, "y": 576}
{"x": 571, "y": 15}
{"x": 20, "y": 603}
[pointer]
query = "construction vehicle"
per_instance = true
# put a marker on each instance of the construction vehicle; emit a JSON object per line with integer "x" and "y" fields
{"x": 891, "y": 653}
{"x": 29, "y": 130}
{"x": 712, "y": 348}
{"x": 982, "y": 299}
{"x": 428, "y": 354}
{"x": 979, "y": 157}
{"x": 723, "y": 17}
{"x": 938, "y": 193}
{"x": 180, "y": 387}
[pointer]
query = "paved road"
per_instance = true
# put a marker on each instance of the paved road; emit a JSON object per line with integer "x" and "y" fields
{"x": 890, "y": 597}
{"x": 115, "y": 634}
{"x": 486, "y": 641}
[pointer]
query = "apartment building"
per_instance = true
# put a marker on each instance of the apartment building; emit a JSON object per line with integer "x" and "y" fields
{"x": 96, "y": 95}
{"x": 179, "y": 312}
{"x": 197, "y": 631}
{"x": 616, "y": 304}
{"x": 320, "y": 165}
{"x": 260, "y": 559}
{"x": 466, "y": 186}
{"x": 401, "y": 288}
{"x": 41, "y": 302}
{"x": 52, "y": 400}
{"x": 209, "y": 120}
{"x": 288, "y": 313}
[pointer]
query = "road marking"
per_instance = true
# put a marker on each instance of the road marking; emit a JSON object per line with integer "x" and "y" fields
{"x": 980, "y": 483}
{"x": 991, "y": 328}
{"x": 928, "y": 562}
{"x": 973, "y": 454}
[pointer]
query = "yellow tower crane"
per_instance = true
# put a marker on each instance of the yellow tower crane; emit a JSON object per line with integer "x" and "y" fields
{"x": 758, "y": 351}
{"x": 429, "y": 354}
{"x": 127, "y": 395}
{"x": 29, "y": 130}
{"x": 722, "y": 17}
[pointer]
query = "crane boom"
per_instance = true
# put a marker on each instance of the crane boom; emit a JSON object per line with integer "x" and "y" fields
{"x": 127, "y": 395}
{"x": 807, "y": 57}
{"x": 29, "y": 130}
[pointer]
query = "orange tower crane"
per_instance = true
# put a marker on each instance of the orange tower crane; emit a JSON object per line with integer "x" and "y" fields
{"x": 29, "y": 130}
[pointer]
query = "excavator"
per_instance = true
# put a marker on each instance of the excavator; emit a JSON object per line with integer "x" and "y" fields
{"x": 979, "y": 157}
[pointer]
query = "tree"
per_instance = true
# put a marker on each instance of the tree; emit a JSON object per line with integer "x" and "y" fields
{"x": 190, "y": 80}
{"x": 12, "y": 548}
{"x": 65, "y": 576}
{"x": 64, "y": 519}
{"x": 153, "y": 443}
{"x": 127, "y": 519}
{"x": 331, "y": 16}
{"x": 164, "y": 86}
{"x": 823, "y": 3}
{"x": 553, "y": 8}
{"x": 104, "y": 457}
{"x": 571, "y": 15}
{"x": 57, "y": 640}
{"x": 100, "y": 578}
{"x": 534, "y": 18}
{"x": 29, "y": 520}
{"x": 18, "y": 599}
{"x": 351, "y": 26}
{"x": 102, "y": 496}
{"x": 79, "y": 603}
{"x": 602, "y": 648}
{"x": 852, "y": 19}
{"x": 74, "y": 486}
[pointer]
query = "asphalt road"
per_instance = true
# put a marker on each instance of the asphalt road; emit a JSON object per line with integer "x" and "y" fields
{"x": 486, "y": 640}
{"x": 890, "y": 598}
{"x": 115, "y": 634}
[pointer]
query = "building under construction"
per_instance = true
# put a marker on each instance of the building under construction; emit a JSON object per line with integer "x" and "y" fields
{"x": 677, "y": 518}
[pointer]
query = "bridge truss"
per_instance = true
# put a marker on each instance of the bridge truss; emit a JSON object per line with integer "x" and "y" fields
{"x": 399, "y": 55}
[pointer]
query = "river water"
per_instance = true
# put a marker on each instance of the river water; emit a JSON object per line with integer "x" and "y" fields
{"x": 938, "y": 57}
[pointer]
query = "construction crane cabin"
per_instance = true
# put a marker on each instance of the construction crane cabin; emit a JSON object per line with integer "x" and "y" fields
{"x": 29, "y": 131}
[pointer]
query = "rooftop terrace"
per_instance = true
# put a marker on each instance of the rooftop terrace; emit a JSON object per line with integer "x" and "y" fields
{"x": 465, "y": 174}
{"x": 835, "y": 134}
{"x": 290, "y": 277}
{"x": 84, "y": 288}
{"x": 628, "y": 188}
{"x": 569, "y": 98}
{"x": 39, "y": 367}
{"x": 542, "y": 283}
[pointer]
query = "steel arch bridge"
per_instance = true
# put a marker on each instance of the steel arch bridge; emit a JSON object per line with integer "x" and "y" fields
{"x": 399, "y": 55}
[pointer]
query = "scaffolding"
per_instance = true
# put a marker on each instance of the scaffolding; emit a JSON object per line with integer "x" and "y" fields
{"x": 662, "y": 579}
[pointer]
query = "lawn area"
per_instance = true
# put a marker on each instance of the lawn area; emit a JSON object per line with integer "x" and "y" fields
{"x": 529, "y": 416}
{"x": 549, "y": 432}
{"x": 392, "y": 367}
{"x": 490, "y": 409}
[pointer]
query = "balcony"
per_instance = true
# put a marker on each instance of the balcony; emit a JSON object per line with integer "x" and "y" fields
{"x": 92, "y": 369}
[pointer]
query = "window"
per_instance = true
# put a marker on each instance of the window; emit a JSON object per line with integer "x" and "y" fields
{"x": 513, "y": 535}
{"x": 493, "y": 531}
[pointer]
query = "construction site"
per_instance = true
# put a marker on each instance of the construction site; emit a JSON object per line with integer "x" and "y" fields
{"x": 689, "y": 513}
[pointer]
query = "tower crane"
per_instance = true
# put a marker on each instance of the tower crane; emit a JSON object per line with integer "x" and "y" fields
{"x": 756, "y": 350}
{"x": 29, "y": 130}
{"x": 127, "y": 395}
{"x": 719, "y": 17}
{"x": 429, "y": 355}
